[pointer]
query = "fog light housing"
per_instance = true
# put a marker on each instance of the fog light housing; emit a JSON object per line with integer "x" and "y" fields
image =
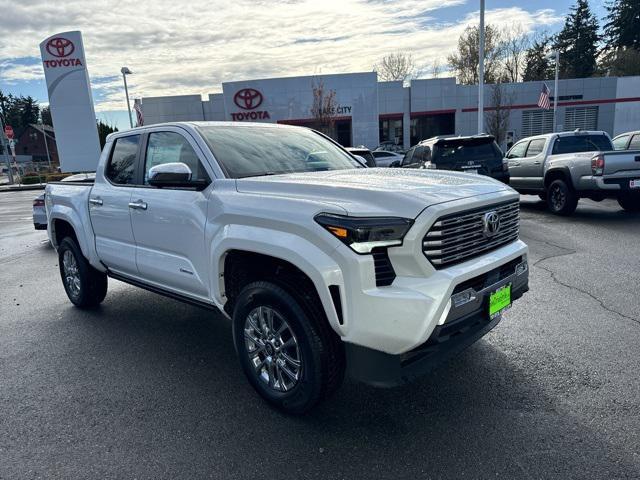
{"x": 464, "y": 297}
{"x": 522, "y": 267}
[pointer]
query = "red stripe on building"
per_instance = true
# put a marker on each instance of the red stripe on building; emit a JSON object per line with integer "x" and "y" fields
{"x": 562, "y": 104}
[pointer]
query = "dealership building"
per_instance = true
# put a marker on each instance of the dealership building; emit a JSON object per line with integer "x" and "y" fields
{"x": 368, "y": 112}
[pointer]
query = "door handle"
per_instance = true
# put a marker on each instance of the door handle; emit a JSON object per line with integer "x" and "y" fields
{"x": 514, "y": 164}
{"x": 139, "y": 205}
{"x": 537, "y": 162}
{"x": 95, "y": 201}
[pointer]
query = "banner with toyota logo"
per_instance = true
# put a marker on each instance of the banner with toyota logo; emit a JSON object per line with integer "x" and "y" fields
{"x": 71, "y": 102}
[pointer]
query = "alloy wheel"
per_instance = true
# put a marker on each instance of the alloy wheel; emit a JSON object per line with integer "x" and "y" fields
{"x": 273, "y": 349}
{"x": 558, "y": 197}
{"x": 71, "y": 273}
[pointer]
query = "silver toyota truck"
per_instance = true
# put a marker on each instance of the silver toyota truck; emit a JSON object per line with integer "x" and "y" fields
{"x": 563, "y": 167}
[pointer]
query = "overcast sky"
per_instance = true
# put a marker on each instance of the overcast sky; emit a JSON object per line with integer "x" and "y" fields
{"x": 191, "y": 47}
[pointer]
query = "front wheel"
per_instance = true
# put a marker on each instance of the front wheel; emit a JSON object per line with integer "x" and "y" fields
{"x": 85, "y": 286}
{"x": 561, "y": 199}
{"x": 286, "y": 348}
{"x": 630, "y": 202}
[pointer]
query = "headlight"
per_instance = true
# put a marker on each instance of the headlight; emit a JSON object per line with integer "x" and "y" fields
{"x": 363, "y": 234}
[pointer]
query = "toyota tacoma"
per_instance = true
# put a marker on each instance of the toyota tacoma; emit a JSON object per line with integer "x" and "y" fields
{"x": 323, "y": 268}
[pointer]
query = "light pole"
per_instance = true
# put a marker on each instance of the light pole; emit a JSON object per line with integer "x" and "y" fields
{"x": 555, "y": 90}
{"x": 125, "y": 71}
{"x": 481, "y": 71}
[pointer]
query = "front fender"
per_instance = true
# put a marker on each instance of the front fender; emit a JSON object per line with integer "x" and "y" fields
{"x": 309, "y": 258}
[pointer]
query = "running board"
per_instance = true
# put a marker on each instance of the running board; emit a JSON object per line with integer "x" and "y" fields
{"x": 162, "y": 291}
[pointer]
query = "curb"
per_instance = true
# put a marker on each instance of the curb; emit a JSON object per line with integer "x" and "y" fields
{"x": 22, "y": 188}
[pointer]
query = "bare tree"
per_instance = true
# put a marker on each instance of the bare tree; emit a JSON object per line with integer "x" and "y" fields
{"x": 465, "y": 61}
{"x": 497, "y": 118}
{"x": 395, "y": 66}
{"x": 515, "y": 43}
{"x": 323, "y": 108}
{"x": 436, "y": 68}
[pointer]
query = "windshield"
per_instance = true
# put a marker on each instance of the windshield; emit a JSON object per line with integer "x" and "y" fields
{"x": 248, "y": 151}
{"x": 466, "y": 150}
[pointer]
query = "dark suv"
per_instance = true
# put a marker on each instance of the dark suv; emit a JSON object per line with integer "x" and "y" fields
{"x": 475, "y": 154}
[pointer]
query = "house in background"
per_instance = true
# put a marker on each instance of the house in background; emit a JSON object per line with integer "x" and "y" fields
{"x": 31, "y": 143}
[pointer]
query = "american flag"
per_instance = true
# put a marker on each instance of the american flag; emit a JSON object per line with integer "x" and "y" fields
{"x": 137, "y": 106}
{"x": 544, "y": 101}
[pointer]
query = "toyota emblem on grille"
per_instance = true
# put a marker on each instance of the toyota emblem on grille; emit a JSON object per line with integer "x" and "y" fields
{"x": 491, "y": 224}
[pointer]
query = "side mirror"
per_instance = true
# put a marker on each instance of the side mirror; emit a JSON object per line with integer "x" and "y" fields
{"x": 395, "y": 164}
{"x": 176, "y": 175}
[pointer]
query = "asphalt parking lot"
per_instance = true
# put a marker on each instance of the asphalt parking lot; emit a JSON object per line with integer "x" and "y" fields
{"x": 146, "y": 387}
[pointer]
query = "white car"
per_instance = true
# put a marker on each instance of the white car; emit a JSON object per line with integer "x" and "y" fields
{"x": 385, "y": 158}
{"x": 324, "y": 269}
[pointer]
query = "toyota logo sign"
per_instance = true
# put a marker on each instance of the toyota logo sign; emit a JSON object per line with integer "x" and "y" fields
{"x": 248, "y": 98}
{"x": 491, "y": 224}
{"x": 60, "y": 47}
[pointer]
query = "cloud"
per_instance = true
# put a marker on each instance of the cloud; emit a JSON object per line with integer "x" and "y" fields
{"x": 175, "y": 48}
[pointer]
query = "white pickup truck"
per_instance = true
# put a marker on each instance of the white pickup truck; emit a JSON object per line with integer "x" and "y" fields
{"x": 323, "y": 268}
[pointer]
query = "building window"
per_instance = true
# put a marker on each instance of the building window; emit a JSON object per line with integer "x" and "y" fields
{"x": 536, "y": 122}
{"x": 427, "y": 126}
{"x": 391, "y": 131}
{"x": 584, "y": 118}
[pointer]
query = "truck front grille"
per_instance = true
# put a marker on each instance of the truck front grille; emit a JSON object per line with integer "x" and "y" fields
{"x": 462, "y": 236}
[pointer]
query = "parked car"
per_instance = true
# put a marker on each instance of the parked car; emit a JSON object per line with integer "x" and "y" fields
{"x": 474, "y": 154}
{"x": 321, "y": 267}
{"x": 385, "y": 159}
{"x": 365, "y": 153}
{"x": 627, "y": 141}
{"x": 390, "y": 146}
{"x": 39, "y": 211}
{"x": 563, "y": 167}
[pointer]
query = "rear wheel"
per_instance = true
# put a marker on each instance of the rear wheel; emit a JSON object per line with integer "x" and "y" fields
{"x": 85, "y": 286}
{"x": 286, "y": 348}
{"x": 561, "y": 199}
{"x": 630, "y": 202}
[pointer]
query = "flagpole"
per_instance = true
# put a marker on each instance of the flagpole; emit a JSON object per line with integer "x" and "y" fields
{"x": 481, "y": 71}
{"x": 555, "y": 91}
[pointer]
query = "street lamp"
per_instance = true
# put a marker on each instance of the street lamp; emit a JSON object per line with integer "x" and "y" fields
{"x": 125, "y": 71}
{"x": 481, "y": 71}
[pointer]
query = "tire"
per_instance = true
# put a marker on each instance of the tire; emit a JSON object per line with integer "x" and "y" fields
{"x": 85, "y": 286}
{"x": 315, "y": 346}
{"x": 630, "y": 202}
{"x": 561, "y": 199}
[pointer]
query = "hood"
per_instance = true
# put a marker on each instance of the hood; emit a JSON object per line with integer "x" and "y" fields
{"x": 374, "y": 191}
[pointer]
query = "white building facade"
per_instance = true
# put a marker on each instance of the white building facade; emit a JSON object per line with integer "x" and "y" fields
{"x": 368, "y": 112}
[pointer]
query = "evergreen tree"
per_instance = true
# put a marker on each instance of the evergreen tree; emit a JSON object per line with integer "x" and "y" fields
{"x": 577, "y": 42}
{"x": 104, "y": 129}
{"x": 622, "y": 29}
{"x": 621, "y": 54}
{"x": 537, "y": 63}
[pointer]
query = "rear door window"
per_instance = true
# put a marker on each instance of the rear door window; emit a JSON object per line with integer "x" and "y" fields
{"x": 535, "y": 147}
{"x": 122, "y": 164}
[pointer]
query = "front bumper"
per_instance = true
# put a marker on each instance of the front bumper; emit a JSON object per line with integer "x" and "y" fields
{"x": 464, "y": 324}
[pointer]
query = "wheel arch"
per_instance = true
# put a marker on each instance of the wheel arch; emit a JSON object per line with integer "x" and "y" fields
{"x": 558, "y": 173}
{"x": 242, "y": 250}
